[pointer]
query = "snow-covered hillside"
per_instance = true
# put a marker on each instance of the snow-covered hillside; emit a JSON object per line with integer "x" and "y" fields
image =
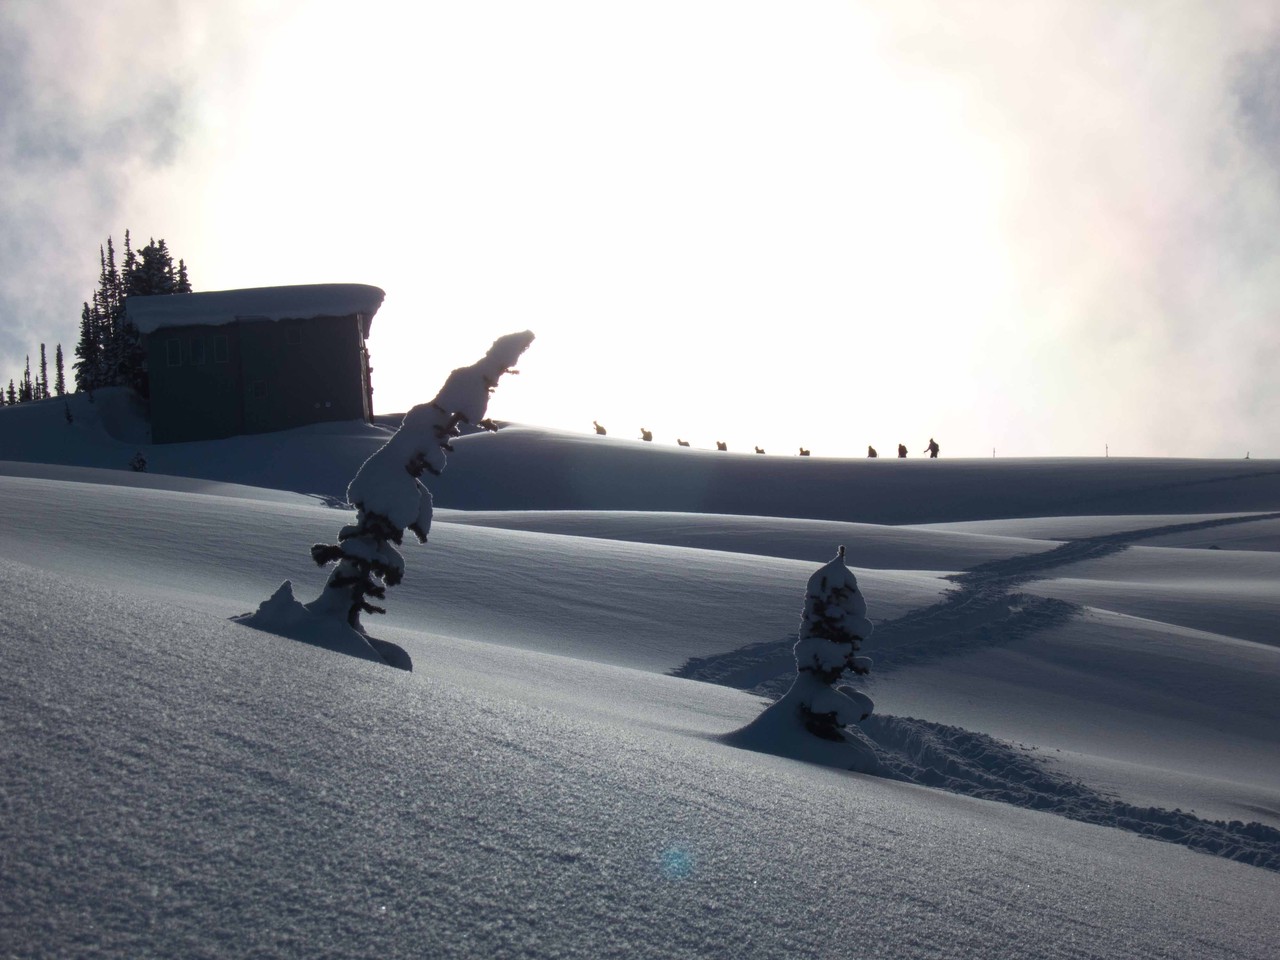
{"x": 1094, "y": 639}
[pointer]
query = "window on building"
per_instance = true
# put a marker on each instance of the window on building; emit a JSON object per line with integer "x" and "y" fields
{"x": 197, "y": 350}
{"x": 173, "y": 352}
{"x": 220, "y": 351}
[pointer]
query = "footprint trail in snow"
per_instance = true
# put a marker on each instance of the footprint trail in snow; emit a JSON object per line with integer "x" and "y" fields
{"x": 986, "y": 609}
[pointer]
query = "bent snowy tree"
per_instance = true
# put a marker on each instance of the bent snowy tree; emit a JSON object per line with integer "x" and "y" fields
{"x": 388, "y": 492}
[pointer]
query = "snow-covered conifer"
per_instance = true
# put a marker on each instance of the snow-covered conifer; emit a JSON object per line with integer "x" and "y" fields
{"x": 811, "y": 720}
{"x": 390, "y": 498}
{"x": 831, "y": 629}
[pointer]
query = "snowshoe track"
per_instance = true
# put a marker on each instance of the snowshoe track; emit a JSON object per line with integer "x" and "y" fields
{"x": 974, "y": 764}
{"x": 984, "y": 610}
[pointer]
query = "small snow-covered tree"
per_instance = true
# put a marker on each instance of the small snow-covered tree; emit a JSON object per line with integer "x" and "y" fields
{"x": 389, "y": 495}
{"x": 831, "y": 629}
{"x": 811, "y": 720}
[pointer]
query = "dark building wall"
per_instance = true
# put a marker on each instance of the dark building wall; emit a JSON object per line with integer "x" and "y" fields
{"x": 194, "y": 375}
{"x": 276, "y": 375}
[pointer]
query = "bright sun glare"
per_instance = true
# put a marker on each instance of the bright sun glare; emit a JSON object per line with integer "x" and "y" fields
{"x": 770, "y": 224}
{"x": 714, "y": 247}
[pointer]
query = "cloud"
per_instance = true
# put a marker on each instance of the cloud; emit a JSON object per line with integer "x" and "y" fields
{"x": 1041, "y": 226}
{"x": 1141, "y": 152}
{"x": 95, "y": 102}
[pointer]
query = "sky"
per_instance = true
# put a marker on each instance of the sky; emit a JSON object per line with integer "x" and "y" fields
{"x": 1039, "y": 229}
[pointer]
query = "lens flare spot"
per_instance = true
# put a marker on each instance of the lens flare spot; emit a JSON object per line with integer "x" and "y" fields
{"x": 677, "y": 864}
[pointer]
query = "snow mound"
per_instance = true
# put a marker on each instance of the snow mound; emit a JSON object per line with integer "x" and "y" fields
{"x": 284, "y": 616}
{"x": 780, "y": 729}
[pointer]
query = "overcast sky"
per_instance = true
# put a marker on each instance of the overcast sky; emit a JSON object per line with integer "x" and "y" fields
{"x": 1047, "y": 228}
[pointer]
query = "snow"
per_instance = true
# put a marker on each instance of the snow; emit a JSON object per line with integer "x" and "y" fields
{"x": 284, "y": 616}
{"x": 220, "y": 307}
{"x": 1070, "y": 760}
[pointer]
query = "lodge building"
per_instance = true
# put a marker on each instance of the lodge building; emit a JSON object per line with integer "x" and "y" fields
{"x": 230, "y": 362}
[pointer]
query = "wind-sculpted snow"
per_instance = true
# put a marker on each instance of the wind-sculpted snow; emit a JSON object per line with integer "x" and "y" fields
{"x": 987, "y": 608}
{"x": 173, "y": 784}
{"x": 566, "y": 471}
{"x": 176, "y": 785}
{"x": 562, "y": 471}
{"x": 283, "y": 615}
{"x": 873, "y": 546}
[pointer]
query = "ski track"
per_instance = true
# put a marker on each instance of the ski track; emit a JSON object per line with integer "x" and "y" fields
{"x": 986, "y": 610}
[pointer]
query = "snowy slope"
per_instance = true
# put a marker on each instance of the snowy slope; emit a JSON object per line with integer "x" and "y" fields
{"x": 551, "y": 779}
{"x": 223, "y": 792}
{"x": 563, "y": 471}
{"x": 531, "y": 468}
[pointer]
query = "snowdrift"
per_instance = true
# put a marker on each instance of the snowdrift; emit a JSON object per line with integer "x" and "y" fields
{"x": 553, "y": 777}
{"x": 532, "y": 468}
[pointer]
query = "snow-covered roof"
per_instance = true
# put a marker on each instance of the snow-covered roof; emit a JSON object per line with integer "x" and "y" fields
{"x": 218, "y": 307}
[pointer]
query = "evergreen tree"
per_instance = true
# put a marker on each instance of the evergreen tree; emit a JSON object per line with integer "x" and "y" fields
{"x": 110, "y": 318}
{"x": 110, "y": 350}
{"x": 815, "y": 720}
{"x": 26, "y": 390}
{"x": 130, "y": 264}
{"x": 89, "y": 349}
{"x": 11, "y": 395}
{"x": 833, "y": 624}
{"x": 152, "y": 273}
{"x": 42, "y": 385}
{"x": 389, "y": 496}
{"x": 59, "y": 372}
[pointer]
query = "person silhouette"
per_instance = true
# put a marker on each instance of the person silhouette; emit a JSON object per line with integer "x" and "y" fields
{"x": 932, "y": 449}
